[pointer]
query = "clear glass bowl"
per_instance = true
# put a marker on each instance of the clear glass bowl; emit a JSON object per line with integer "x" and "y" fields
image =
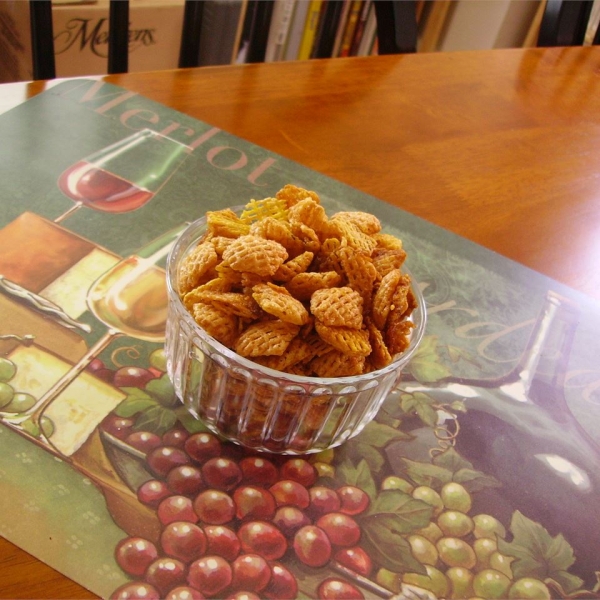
{"x": 258, "y": 407}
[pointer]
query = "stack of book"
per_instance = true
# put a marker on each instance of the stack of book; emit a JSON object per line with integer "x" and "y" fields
{"x": 245, "y": 31}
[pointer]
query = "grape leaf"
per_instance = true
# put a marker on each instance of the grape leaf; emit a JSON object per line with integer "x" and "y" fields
{"x": 137, "y": 401}
{"x": 368, "y": 453}
{"x": 408, "y": 512}
{"x": 156, "y": 420}
{"x": 359, "y": 476}
{"x": 451, "y": 460}
{"x": 537, "y": 554}
{"x": 475, "y": 481}
{"x": 425, "y": 365}
{"x": 191, "y": 423}
{"x": 424, "y": 473}
{"x": 422, "y": 404}
{"x": 379, "y": 435}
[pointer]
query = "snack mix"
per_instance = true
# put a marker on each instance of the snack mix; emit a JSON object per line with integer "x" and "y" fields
{"x": 287, "y": 287}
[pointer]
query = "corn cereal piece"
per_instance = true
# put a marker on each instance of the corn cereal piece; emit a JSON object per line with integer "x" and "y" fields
{"x": 278, "y": 231}
{"x": 382, "y": 300}
{"x": 238, "y": 304}
{"x": 296, "y": 353}
{"x": 310, "y": 213}
{"x": 214, "y": 285}
{"x": 255, "y": 255}
{"x": 388, "y": 241}
{"x": 226, "y": 274}
{"x": 226, "y": 223}
{"x": 307, "y": 236}
{"x": 361, "y": 273}
{"x": 219, "y": 323}
{"x": 338, "y": 307}
{"x": 354, "y": 342}
{"x": 249, "y": 280}
{"x": 388, "y": 260}
{"x": 380, "y": 356}
{"x": 220, "y": 243}
{"x": 366, "y": 222}
{"x": 355, "y": 238}
{"x": 396, "y": 335}
{"x": 277, "y": 301}
{"x": 256, "y": 210}
{"x": 304, "y": 285}
{"x": 293, "y": 194}
{"x": 328, "y": 258}
{"x": 196, "y": 266}
{"x": 266, "y": 338}
{"x": 291, "y": 268}
{"x": 400, "y": 298}
{"x": 337, "y": 364}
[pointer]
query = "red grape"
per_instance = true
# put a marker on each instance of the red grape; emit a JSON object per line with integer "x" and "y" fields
{"x": 243, "y": 596}
{"x": 264, "y": 539}
{"x": 164, "y": 458}
{"x": 288, "y": 492}
{"x": 222, "y": 541}
{"x": 132, "y": 377}
{"x": 258, "y": 471}
{"x": 323, "y": 500}
{"x": 300, "y": 470}
{"x": 134, "y": 554}
{"x": 353, "y": 500}
{"x": 135, "y": 590}
{"x": 152, "y": 492}
{"x": 144, "y": 441}
{"x": 312, "y": 546}
{"x": 221, "y": 473}
{"x": 107, "y": 375}
{"x": 185, "y": 480}
{"x": 250, "y": 572}
{"x": 210, "y": 575}
{"x": 202, "y": 446}
{"x": 289, "y": 519}
{"x": 336, "y": 589}
{"x": 341, "y": 529}
{"x": 176, "y": 508}
{"x": 175, "y": 437}
{"x": 356, "y": 559}
{"x": 253, "y": 503}
{"x": 183, "y": 592}
{"x": 214, "y": 507}
{"x": 166, "y": 573}
{"x": 120, "y": 427}
{"x": 183, "y": 540}
{"x": 95, "y": 365}
{"x": 282, "y": 585}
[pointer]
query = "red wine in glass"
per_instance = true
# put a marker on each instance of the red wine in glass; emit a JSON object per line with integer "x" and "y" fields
{"x": 123, "y": 176}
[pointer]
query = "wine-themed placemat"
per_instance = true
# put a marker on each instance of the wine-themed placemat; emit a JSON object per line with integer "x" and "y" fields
{"x": 479, "y": 476}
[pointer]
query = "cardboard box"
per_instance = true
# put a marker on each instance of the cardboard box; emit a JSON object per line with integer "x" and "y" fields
{"x": 81, "y": 37}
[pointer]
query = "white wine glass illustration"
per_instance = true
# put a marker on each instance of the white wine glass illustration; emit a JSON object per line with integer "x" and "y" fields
{"x": 124, "y": 176}
{"x": 130, "y": 299}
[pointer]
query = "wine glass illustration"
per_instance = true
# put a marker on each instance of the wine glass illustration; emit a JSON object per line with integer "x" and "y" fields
{"x": 130, "y": 299}
{"x": 123, "y": 176}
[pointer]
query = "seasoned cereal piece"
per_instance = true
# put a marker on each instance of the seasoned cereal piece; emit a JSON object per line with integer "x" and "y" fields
{"x": 291, "y": 268}
{"x": 366, "y": 222}
{"x": 277, "y": 301}
{"x": 387, "y": 241}
{"x": 383, "y": 298}
{"x": 196, "y": 266}
{"x": 214, "y": 285}
{"x": 296, "y": 353}
{"x": 220, "y": 243}
{"x": 349, "y": 341}
{"x": 226, "y": 274}
{"x": 337, "y": 364}
{"x": 255, "y": 255}
{"x": 338, "y": 307}
{"x": 278, "y": 231}
{"x": 310, "y": 213}
{"x": 256, "y": 210}
{"x": 399, "y": 304}
{"x": 266, "y": 338}
{"x": 293, "y": 194}
{"x": 238, "y": 304}
{"x": 380, "y": 355}
{"x": 361, "y": 273}
{"x": 388, "y": 260}
{"x": 355, "y": 238}
{"x": 226, "y": 223}
{"x": 397, "y": 334}
{"x": 304, "y": 285}
{"x": 219, "y": 323}
{"x": 307, "y": 236}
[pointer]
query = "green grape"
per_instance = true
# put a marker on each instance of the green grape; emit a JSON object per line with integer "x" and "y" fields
{"x": 455, "y": 524}
{"x": 455, "y": 552}
{"x": 491, "y": 584}
{"x": 388, "y": 579}
{"x": 501, "y": 563}
{"x": 461, "y": 583}
{"x": 484, "y": 548}
{"x": 432, "y": 532}
{"x": 20, "y": 403}
{"x": 429, "y": 496}
{"x": 46, "y": 424}
{"x": 423, "y": 550}
{"x": 158, "y": 359}
{"x": 488, "y": 526}
{"x": 7, "y": 369}
{"x": 435, "y": 581}
{"x": 6, "y": 394}
{"x": 393, "y": 482}
{"x": 528, "y": 588}
{"x": 456, "y": 497}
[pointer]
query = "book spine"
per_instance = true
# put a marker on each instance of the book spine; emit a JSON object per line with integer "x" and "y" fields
{"x": 296, "y": 29}
{"x": 369, "y": 33}
{"x": 310, "y": 29}
{"x": 328, "y": 24}
{"x": 238, "y": 33}
{"x": 278, "y": 32}
{"x": 341, "y": 28}
{"x": 350, "y": 27}
{"x": 259, "y": 32}
{"x": 360, "y": 27}
{"x": 218, "y": 31}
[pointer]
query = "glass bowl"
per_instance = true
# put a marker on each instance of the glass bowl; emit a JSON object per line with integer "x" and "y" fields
{"x": 260, "y": 408}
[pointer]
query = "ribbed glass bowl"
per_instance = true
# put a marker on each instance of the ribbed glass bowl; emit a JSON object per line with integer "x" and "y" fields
{"x": 258, "y": 407}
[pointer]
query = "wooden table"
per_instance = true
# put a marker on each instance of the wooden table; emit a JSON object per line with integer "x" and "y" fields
{"x": 499, "y": 146}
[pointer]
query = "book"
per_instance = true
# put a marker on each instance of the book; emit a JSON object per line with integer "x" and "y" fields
{"x": 219, "y": 31}
{"x": 296, "y": 29}
{"x": 255, "y": 32}
{"x": 328, "y": 24}
{"x": 353, "y": 16}
{"x": 369, "y": 34}
{"x": 310, "y": 29}
{"x": 339, "y": 34}
{"x": 498, "y": 412}
{"x": 278, "y": 31}
{"x": 360, "y": 27}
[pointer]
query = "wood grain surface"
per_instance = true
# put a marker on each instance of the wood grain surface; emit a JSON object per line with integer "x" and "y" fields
{"x": 501, "y": 147}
